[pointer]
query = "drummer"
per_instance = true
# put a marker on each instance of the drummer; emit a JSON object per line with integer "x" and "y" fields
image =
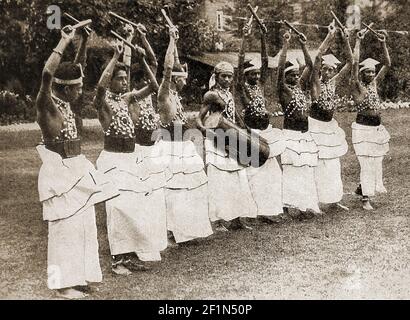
{"x": 230, "y": 197}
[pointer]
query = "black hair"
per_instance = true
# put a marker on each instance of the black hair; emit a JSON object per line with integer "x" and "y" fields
{"x": 137, "y": 73}
{"x": 66, "y": 71}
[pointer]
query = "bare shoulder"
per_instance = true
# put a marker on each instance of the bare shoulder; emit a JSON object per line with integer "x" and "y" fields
{"x": 210, "y": 97}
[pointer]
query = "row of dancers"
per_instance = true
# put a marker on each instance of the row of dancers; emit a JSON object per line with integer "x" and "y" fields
{"x": 157, "y": 189}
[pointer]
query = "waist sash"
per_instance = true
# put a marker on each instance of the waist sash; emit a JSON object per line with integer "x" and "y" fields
{"x": 65, "y": 148}
{"x": 119, "y": 144}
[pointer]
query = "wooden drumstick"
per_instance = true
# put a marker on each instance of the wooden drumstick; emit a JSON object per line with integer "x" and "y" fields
{"x": 87, "y": 29}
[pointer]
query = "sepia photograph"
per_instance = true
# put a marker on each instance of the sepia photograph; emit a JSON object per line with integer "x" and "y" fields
{"x": 181, "y": 150}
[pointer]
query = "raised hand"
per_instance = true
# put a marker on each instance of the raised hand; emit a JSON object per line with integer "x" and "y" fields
{"x": 246, "y": 30}
{"x": 382, "y": 35}
{"x": 302, "y": 38}
{"x": 68, "y": 33}
{"x": 332, "y": 27}
{"x": 118, "y": 48}
{"x": 361, "y": 33}
{"x": 129, "y": 30}
{"x": 173, "y": 33}
{"x": 141, "y": 29}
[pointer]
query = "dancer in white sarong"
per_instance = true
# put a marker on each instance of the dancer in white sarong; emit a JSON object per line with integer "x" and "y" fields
{"x": 68, "y": 183}
{"x": 230, "y": 196}
{"x": 135, "y": 220}
{"x": 265, "y": 181}
{"x": 301, "y": 154}
{"x": 370, "y": 138}
{"x": 328, "y": 136}
{"x": 186, "y": 191}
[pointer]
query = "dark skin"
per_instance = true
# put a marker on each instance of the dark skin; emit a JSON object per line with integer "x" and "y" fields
{"x": 150, "y": 57}
{"x": 255, "y": 76}
{"x": 368, "y": 77}
{"x": 326, "y": 73}
{"x": 292, "y": 77}
{"x": 49, "y": 117}
{"x": 117, "y": 84}
{"x": 212, "y": 102}
{"x": 166, "y": 107}
{"x": 150, "y": 68}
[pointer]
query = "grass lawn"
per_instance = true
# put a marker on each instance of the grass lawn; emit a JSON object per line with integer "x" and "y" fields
{"x": 353, "y": 254}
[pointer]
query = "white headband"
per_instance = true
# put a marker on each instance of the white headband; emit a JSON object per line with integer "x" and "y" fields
{"x": 367, "y": 68}
{"x": 68, "y": 82}
{"x": 251, "y": 69}
{"x": 73, "y": 81}
{"x": 293, "y": 67}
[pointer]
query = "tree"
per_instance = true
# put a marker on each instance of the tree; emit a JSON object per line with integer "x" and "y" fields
{"x": 24, "y": 54}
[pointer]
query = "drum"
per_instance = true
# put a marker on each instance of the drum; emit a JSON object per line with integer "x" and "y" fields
{"x": 246, "y": 147}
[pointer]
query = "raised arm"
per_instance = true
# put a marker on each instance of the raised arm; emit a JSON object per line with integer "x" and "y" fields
{"x": 349, "y": 56}
{"x": 356, "y": 59}
{"x": 147, "y": 90}
{"x": 166, "y": 110}
{"x": 324, "y": 46}
{"x": 106, "y": 76}
{"x": 241, "y": 56}
{"x": 169, "y": 61}
{"x": 264, "y": 57}
{"x": 81, "y": 56}
{"x": 307, "y": 72}
{"x": 150, "y": 54}
{"x": 67, "y": 34}
{"x": 281, "y": 63}
{"x": 315, "y": 78}
{"x": 387, "y": 62}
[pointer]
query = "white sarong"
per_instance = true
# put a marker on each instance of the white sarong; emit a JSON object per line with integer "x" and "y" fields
{"x": 298, "y": 163}
{"x": 68, "y": 190}
{"x": 331, "y": 142}
{"x": 136, "y": 220}
{"x": 371, "y": 144}
{"x": 230, "y": 195}
{"x": 266, "y": 181}
{"x": 186, "y": 191}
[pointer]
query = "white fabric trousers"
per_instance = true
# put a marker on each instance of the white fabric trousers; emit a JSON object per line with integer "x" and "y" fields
{"x": 371, "y": 175}
{"x": 329, "y": 181}
{"x": 73, "y": 258}
{"x": 299, "y": 188}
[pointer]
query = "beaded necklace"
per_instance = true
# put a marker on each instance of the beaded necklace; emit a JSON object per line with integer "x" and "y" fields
{"x": 121, "y": 122}
{"x": 227, "y": 98}
{"x": 327, "y": 99}
{"x": 256, "y": 105}
{"x": 148, "y": 118}
{"x": 298, "y": 103}
{"x": 371, "y": 101}
{"x": 69, "y": 130}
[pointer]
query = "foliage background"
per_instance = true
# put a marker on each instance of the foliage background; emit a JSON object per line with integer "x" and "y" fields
{"x": 25, "y": 41}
